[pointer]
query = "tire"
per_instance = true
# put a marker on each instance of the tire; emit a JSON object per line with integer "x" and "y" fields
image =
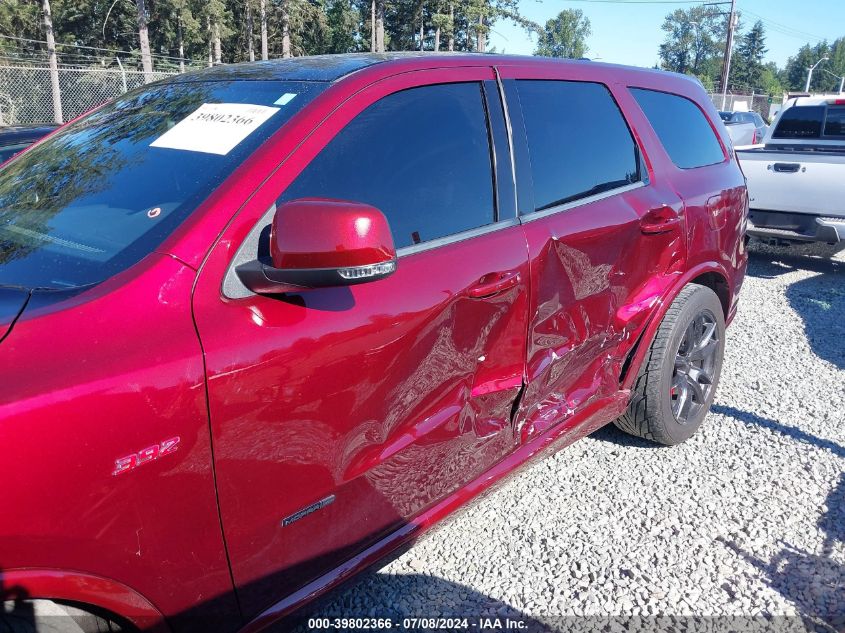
{"x": 678, "y": 378}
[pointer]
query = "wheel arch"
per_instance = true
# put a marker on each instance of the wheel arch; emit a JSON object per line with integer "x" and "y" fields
{"x": 83, "y": 589}
{"x": 710, "y": 274}
{"x": 718, "y": 283}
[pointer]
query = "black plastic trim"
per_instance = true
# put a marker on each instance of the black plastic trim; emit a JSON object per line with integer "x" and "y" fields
{"x": 262, "y": 278}
{"x": 522, "y": 157}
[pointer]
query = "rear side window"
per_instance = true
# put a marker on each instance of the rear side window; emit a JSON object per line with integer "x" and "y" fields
{"x": 800, "y": 122}
{"x": 681, "y": 127}
{"x": 421, "y": 156}
{"x": 578, "y": 142}
{"x": 834, "y": 123}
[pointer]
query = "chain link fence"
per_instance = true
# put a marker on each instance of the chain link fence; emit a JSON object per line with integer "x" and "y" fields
{"x": 760, "y": 103}
{"x": 26, "y": 93}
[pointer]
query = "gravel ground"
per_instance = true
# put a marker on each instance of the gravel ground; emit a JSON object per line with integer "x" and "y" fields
{"x": 745, "y": 519}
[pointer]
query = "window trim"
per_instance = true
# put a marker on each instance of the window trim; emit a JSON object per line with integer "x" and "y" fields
{"x": 642, "y": 170}
{"x": 413, "y": 249}
{"x": 503, "y": 100}
{"x": 566, "y": 206}
{"x": 726, "y": 152}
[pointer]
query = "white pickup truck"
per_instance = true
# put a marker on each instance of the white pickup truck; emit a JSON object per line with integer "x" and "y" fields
{"x": 796, "y": 181}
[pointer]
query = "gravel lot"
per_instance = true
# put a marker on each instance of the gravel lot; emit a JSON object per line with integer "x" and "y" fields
{"x": 745, "y": 519}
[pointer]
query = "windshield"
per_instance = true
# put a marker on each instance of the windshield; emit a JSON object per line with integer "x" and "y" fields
{"x": 106, "y": 191}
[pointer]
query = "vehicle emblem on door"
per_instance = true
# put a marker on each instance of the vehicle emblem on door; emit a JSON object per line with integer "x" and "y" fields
{"x": 319, "y": 505}
{"x": 145, "y": 455}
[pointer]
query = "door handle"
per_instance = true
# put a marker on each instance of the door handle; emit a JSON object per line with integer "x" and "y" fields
{"x": 494, "y": 283}
{"x": 660, "y": 220}
{"x": 786, "y": 168}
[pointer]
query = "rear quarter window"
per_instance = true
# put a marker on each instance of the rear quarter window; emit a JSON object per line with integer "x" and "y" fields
{"x": 682, "y": 128}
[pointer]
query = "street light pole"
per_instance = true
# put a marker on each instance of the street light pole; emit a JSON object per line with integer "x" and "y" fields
{"x": 726, "y": 65}
{"x": 810, "y": 73}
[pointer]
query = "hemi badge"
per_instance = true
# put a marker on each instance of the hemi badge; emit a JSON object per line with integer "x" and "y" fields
{"x": 319, "y": 505}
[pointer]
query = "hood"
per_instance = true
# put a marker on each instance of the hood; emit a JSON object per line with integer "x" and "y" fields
{"x": 12, "y": 303}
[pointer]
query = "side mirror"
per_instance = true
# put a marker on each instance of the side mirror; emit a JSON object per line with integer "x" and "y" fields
{"x": 321, "y": 243}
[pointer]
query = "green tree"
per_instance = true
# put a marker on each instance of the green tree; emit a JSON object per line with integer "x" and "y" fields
{"x": 770, "y": 80}
{"x": 695, "y": 40}
{"x": 798, "y": 65}
{"x": 21, "y": 18}
{"x": 343, "y": 19}
{"x": 747, "y": 66}
{"x": 565, "y": 35}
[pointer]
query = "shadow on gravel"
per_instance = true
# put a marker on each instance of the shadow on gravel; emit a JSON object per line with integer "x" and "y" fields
{"x": 752, "y": 419}
{"x": 815, "y": 583}
{"x": 768, "y": 262}
{"x": 16, "y": 613}
{"x": 613, "y": 435}
{"x": 414, "y": 597}
{"x": 818, "y": 300}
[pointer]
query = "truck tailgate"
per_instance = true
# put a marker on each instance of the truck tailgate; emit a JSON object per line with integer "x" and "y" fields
{"x": 798, "y": 182}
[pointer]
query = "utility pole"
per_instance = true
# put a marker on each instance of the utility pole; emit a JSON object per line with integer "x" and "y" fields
{"x": 54, "y": 66}
{"x": 249, "y": 26}
{"x": 263, "y": 17}
{"x": 144, "y": 39}
{"x": 726, "y": 65}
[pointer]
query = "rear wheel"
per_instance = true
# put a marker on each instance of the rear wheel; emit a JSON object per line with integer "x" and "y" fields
{"x": 677, "y": 381}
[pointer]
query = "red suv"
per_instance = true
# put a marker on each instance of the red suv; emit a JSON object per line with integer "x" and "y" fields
{"x": 264, "y": 324}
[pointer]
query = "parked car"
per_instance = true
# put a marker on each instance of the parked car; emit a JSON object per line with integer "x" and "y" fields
{"x": 795, "y": 179}
{"x": 760, "y": 127}
{"x": 266, "y": 323}
{"x": 16, "y": 138}
{"x": 741, "y": 134}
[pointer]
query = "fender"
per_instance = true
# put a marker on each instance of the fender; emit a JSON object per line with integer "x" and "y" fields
{"x": 650, "y": 330}
{"x": 109, "y": 595}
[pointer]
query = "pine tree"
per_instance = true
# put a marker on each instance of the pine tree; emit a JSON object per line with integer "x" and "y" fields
{"x": 747, "y": 68}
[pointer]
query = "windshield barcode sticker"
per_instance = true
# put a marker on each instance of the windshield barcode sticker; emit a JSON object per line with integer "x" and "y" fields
{"x": 215, "y": 128}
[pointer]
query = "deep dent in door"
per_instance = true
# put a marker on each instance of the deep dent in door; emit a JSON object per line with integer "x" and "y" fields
{"x": 594, "y": 292}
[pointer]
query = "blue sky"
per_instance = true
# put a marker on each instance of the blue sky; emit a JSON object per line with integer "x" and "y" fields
{"x": 630, "y": 33}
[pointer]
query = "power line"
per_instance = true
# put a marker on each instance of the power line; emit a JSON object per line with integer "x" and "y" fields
{"x": 110, "y": 51}
{"x": 783, "y": 29}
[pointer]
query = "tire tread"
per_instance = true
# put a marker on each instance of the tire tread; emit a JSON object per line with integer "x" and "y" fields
{"x": 642, "y": 418}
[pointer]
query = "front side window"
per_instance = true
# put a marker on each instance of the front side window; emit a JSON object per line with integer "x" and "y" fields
{"x": 99, "y": 195}
{"x": 421, "y": 156}
{"x": 682, "y": 128}
{"x": 578, "y": 142}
